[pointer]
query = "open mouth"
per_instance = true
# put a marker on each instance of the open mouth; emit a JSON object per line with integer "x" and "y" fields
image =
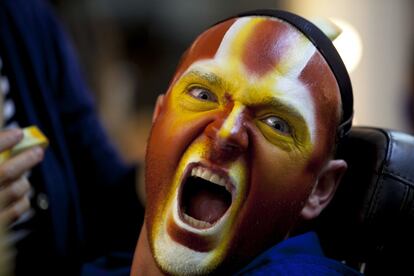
{"x": 205, "y": 197}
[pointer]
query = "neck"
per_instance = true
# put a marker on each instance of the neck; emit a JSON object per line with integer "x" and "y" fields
{"x": 144, "y": 263}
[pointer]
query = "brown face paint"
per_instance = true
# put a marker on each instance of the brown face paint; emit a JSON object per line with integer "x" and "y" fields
{"x": 325, "y": 90}
{"x": 263, "y": 50}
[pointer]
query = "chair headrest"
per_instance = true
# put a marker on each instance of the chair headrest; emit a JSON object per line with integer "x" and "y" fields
{"x": 371, "y": 218}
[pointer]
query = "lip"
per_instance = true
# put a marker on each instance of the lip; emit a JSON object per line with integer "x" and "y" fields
{"x": 193, "y": 223}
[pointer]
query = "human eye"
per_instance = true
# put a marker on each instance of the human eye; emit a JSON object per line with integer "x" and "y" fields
{"x": 202, "y": 94}
{"x": 278, "y": 124}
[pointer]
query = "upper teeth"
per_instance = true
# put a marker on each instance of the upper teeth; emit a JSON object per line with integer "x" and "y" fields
{"x": 208, "y": 175}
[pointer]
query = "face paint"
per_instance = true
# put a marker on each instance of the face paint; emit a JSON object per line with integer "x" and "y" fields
{"x": 235, "y": 151}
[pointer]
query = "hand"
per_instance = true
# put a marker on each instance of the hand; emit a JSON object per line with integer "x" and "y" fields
{"x": 14, "y": 186}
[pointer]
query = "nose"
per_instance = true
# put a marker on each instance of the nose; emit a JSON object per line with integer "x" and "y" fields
{"x": 228, "y": 133}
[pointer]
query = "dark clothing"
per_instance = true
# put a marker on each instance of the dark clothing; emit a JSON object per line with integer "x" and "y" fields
{"x": 93, "y": 209}
{"x": 298, "y": 256}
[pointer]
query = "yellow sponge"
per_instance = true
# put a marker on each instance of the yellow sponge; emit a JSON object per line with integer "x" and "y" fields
{"x": 32, "y": 136}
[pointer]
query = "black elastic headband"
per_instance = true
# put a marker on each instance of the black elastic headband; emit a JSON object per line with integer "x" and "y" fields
{"x": 328, "y": 51}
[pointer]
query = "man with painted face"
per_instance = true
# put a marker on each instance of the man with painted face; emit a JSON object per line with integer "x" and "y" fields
{"x": 241, "y": 151}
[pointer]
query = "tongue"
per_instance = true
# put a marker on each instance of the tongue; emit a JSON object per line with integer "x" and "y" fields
{"x": 208, "y": 202}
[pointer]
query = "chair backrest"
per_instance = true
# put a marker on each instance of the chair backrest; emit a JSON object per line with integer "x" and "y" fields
{"x": 369, "y": 224}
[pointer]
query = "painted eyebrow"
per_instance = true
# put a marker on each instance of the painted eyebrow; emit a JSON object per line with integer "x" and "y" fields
{"x": 277, "y": 104}
{"x": 269, "y": 102}
{"x": 211, "y": 78}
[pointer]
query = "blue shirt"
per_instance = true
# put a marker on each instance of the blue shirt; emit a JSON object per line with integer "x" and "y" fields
{"x": 300, "y": 255}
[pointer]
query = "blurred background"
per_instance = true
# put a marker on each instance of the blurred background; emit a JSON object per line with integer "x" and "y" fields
{"x": 129, "y": 50}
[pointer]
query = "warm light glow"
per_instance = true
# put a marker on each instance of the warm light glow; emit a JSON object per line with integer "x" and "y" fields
{"x": 348, "y": 44}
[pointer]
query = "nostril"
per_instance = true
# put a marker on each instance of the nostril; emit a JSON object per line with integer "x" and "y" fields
{"x": 230, "y": 147}
{"x": 236, "y": 141}
{"x": 224, "y": 153}
{"x": 226, "y": 150}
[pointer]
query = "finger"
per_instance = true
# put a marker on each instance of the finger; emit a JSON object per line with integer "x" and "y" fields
{"x": 14, "y": 211}
{"x": 9, "y": 138}
{"x": 14, "y": 191}
{"x": 16, "y": 166}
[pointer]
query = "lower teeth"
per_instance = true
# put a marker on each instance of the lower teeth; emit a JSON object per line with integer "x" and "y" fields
{"x": 196, "y": 222}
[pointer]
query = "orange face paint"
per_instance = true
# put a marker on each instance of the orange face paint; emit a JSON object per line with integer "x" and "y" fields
{"x": 246, "y": 124}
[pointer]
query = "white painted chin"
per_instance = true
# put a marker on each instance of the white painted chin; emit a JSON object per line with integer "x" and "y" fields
{"x": 177, "y": 259}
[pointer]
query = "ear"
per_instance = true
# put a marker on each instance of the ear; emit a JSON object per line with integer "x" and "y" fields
{"x": 158, "y": 106}
{"x": 324, "y": 189}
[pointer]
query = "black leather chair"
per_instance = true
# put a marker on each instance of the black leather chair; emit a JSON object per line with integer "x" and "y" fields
{"x": 369, "y": 224}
